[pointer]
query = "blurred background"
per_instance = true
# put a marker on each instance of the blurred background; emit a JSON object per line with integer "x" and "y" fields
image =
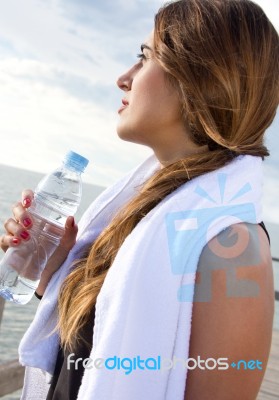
{"x": 59, "y": 62}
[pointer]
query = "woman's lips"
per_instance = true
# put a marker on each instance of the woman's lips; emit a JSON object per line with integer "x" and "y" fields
{"x": 125, "y": 104}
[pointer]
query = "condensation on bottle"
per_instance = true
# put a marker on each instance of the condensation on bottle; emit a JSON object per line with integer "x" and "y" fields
{"x": 56, "y": 197}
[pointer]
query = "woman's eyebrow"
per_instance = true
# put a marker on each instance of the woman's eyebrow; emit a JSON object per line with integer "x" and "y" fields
{"x": 145, "y": 46}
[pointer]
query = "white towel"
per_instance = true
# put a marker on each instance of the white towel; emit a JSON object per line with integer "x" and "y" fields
{"x": 145, "y": 305}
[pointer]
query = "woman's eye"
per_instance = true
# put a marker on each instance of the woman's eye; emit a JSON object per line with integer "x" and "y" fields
{"x": 141, "y": 56}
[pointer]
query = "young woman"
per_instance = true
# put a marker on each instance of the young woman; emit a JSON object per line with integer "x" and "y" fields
{"x": 202, "y": 95}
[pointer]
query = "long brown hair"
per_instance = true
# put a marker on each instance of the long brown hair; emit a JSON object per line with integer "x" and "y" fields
{"x": 222, "y": 56}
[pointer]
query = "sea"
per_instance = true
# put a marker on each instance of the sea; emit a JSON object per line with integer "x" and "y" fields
{"x": 16, "y": 318}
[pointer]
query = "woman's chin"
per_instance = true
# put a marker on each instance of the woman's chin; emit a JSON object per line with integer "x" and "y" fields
{"x": 129, "y": 136}
{"x": 132, "y": 133}
{"x": 124, "y": 133}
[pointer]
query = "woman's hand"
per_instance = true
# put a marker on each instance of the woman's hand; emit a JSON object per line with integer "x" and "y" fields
{"x": 18, "y": 226}
{"x": 60, "y": 254}
{"x": 18, "y": 231}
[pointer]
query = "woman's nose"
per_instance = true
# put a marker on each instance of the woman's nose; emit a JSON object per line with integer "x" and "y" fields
{"x": 124, "y": 82}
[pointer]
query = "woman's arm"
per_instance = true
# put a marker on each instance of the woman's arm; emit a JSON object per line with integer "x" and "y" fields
{"x": 235, "y": 327}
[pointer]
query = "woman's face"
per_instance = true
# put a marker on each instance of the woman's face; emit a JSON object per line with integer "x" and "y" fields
{"x": 151, "y": 111}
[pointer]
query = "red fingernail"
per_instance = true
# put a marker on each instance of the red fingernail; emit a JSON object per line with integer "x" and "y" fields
{"x": 26, "y": 202}
{"x": 24, "y": 235}
{"x": 27, "y": 222}
{"x": 15, "y": 241}
{"x": 73, "y": 223}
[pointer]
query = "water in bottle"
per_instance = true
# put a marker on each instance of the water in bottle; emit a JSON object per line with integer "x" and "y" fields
{"x": 56, "y": 197}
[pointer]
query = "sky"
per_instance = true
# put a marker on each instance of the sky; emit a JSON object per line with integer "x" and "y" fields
{"x": 59, "y": 62}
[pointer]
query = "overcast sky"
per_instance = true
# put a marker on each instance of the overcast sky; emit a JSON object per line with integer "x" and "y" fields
{"x": 59, "y": 61}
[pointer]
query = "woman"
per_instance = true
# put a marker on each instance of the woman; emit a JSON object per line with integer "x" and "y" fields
{"x": 203, "y": 93}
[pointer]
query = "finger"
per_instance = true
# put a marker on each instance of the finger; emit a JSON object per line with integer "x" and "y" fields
{"x": 66, "y": 243}
{"x": 7, "y": 241}
{"x": 27, "y": 196}
{"x": 22, "y": 216}
{"x": 69, "y": 238}
{"x": 16, "y": 230}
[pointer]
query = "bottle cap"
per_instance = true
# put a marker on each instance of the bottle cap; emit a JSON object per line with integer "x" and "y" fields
{"x": 75, "y": 161}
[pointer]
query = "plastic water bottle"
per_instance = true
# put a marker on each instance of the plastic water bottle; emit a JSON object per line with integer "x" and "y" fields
{"x": 56, "y": 197}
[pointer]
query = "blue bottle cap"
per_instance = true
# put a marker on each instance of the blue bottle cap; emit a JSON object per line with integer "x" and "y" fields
{"x": 75, "y": 161}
